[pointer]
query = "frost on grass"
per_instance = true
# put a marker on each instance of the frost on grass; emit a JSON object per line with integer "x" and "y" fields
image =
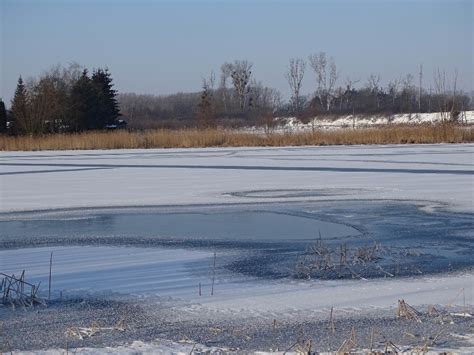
{"x": 200, "y": 328}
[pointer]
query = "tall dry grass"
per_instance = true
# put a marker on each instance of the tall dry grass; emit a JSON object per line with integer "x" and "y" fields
{"x": 228, "y": 138}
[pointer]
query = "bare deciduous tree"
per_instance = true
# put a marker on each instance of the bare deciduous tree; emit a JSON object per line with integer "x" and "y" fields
{"x": 241, "y": 74}
{"x": 349, "y": 92}
{"x": 373, "y": 84}
{"x": 408, "y": 92}
{"x": 420, "y": 86}
{"x": 294, "y": 76}
{"x": 454, "y": 108}
{"x": 265, "y": 103}
{"x": 226, "y": 72}
{"x": 447, "y": 95}
{"x": 48, "y": 103}
{"x": 393, "y": 89}
{"x": 326, "y": 77}
{"x": 441, "y": 90}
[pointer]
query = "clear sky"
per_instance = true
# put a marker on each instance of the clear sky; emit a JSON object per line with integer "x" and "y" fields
{"x": 161, "y": 47}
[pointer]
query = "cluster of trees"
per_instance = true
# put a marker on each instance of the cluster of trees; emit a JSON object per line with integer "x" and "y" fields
{"x": 239, "y": 98}
{"x": 69, "y": 99}
{"x": 149, "y": 111}
{"x": 63, "y": 99}
{"x": 234, "y": 99}
{"x": 402, "y": 95}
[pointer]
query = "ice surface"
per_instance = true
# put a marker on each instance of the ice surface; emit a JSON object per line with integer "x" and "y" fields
{"x": 439, "y": 177}
{"x": 47, "y": 180}
{"x": 176, "y": 273}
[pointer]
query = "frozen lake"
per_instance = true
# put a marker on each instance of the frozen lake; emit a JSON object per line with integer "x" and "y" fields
{"x": 142, "y": 227}
{"x": 265, "y": 240}
{"x": 265, "y": 205}
{"x": 47, "y": 180}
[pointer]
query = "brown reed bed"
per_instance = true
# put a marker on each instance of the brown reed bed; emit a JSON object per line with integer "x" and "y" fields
{"x": 191, "y": 138}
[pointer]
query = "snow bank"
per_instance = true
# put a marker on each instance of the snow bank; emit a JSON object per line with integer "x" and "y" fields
{"x": 292, "y": 124}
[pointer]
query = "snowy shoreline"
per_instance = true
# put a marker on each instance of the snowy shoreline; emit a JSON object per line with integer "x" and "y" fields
{"x": 292, "y": 124}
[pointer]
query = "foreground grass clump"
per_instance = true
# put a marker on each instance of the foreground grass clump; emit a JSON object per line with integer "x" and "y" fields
{"x": 189, "y": 138}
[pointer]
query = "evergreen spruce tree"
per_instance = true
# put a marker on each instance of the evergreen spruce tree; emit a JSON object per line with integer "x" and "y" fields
{"x": 19, "y": 109}
{"x": 85, "y": 104}
{"x": 108, "y": 109}
{"x": 3, "y": 117}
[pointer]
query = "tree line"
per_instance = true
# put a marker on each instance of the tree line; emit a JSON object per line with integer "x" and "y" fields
{"x": 401, "y": 95}
{"x": 69, "y": 99}
{"x": 236, "y": 98}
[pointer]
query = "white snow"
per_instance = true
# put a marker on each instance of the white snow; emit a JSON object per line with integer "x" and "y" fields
{"x": 160, "y": 346}
{"x": 47, "y": 180}
{"x": 291, "y": 124}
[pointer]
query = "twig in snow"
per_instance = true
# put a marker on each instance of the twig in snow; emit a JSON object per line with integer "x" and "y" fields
{"x": 332, "y": 326}
{"x": 213, "y": 274}
{"x": 404, "y": 310}
{"x": 192, "y": 349}
{"x": 50, "y": 269}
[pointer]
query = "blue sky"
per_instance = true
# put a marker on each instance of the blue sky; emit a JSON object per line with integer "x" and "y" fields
{"x": 161, "y": 47}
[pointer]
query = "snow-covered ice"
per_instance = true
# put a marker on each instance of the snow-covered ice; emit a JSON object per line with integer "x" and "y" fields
{"x": 48, "y": 180}
{"x": 177, "y": 273}
{"x": 438, "y": 177}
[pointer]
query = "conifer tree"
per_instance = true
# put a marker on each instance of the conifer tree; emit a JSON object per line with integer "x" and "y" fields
{"x": 206, "y": 114}
{"x": 108, "y": 109}
{"x": 84, "y": 104}
{"x": 20, "y": 109}
{"x": 3, "y": 117}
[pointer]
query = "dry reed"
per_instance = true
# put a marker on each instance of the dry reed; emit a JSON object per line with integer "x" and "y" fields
{"x": 233, "y": 138}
